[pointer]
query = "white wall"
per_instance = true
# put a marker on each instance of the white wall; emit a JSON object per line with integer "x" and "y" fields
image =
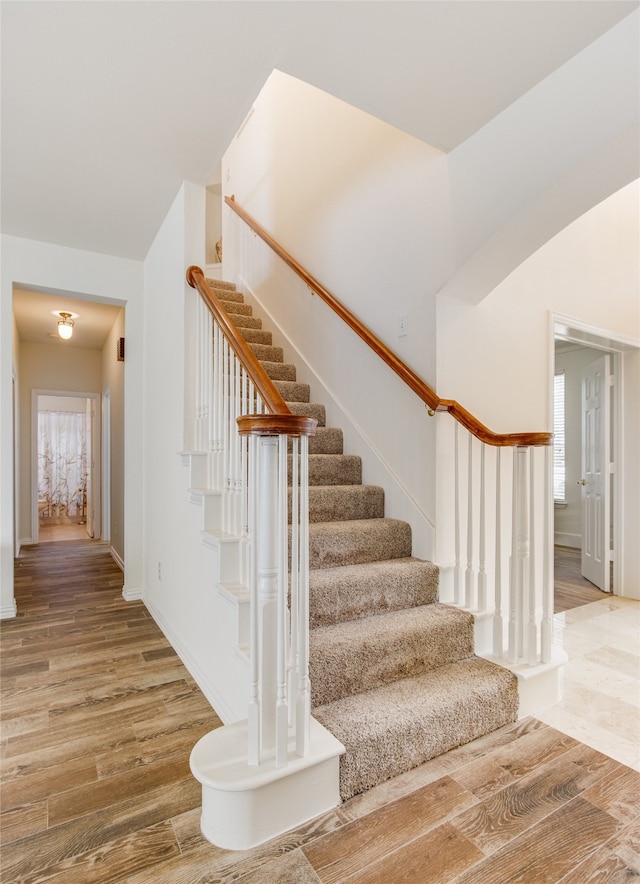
{"x": 48, "y": 367}
{"x": 180, "y": 586}
{"x": 113, "y": 377}
{"x": 93, "y": 276}
{"x": 496, "y": 359}
{"x": 364, "y": 208}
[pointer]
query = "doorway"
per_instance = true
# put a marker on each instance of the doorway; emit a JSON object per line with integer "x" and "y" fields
{"x": 66, "y": 466}
{"x": 593, "y": 535}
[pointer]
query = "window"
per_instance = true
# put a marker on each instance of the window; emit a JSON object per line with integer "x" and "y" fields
{"x": 559, "y": 466}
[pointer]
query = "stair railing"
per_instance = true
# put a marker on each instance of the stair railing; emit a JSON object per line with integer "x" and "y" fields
{"x": 251, "y": 436}
{"x": 502, "y": 537}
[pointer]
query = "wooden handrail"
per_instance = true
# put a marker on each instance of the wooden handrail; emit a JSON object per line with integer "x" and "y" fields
{"x": 280, "y": 420}
{"x": 410, "y": 378}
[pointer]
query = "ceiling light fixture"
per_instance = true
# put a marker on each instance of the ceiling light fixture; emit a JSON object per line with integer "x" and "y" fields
{"x": 65, "y": 325}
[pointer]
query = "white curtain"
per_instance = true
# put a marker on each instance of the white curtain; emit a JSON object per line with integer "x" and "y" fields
{"x": 62, "y": 460}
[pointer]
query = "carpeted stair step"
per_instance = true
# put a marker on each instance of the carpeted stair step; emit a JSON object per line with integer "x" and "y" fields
{"x": 244, "y": 322}
{"x": 228, "y": 287}
{"x": 237, "y": 308}
{"x": 279, "y": 371}
{"x": 266, "y": 353}
{"x": 309, "y": 409}
{"x": 292, "y": 391}
{"x": 359, "y": 655}
{"x": 341, "y": 503}
{"x": 363, "y": 540}
{"x": 255, "y": 335}
{"x": 327, "y": 440}
{"x": 333, "y": 469}
{"x": 396, "y": 727}
{"x": 353, "y": 591}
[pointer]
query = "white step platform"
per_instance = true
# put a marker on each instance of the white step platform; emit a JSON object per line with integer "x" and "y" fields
{"x": 244, "y": 805}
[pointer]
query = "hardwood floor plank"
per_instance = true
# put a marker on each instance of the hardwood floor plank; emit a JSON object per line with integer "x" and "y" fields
{"x": 115, "y": 861}
{"x": 32, "y": 855}
{"x": 44, "y": 783}
{"x": 22, "y": 821}
{"x": 546, "y": 852}
{"x": 618, "y": 794}
{"x": 436, "y": 857}
{"x": 505, "y": 814}
{"x": 616, "y": 862}
{"x": 203, "y": 862}
{"x": 292, "y": 868}
{"x": 363, "y": 842}
{"x": 111, "y": 791}
{"x": 510, "y": 763}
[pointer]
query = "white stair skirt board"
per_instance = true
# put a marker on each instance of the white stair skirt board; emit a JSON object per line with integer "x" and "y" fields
{"x": 538, "y": 686}
{"x": 244, "y": 805}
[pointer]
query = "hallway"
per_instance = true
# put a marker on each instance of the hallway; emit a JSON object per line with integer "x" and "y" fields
{"x": 99, "y": 716}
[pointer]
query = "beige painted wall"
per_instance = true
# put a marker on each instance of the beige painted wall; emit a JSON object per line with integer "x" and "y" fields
{"x": 48, "y": 367}
{"x": 113, "y": 380}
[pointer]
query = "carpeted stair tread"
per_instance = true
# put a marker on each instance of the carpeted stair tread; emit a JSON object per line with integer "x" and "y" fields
{"x": 309, "y": 409}
{"x": 332, "y": 544}
{"x": 353, "y": 591}
{"x": 396, "y": 727}
{"x": 229, "y": 287}
{"x": 236, "y": 308}
{"x": 279, "y": 371}
{"x": 327, "y": 440}
{"x": 358, "y": 655}
{"x": 333, "y": 469}
{"x": 255, "y": 335}
{"x": 339, "y": 503}
{"x": 292, "y": 391}
{"x": 244, "y": 322}
{"x": 266, "y": 353}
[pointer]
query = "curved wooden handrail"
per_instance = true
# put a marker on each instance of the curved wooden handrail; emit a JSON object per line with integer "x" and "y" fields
{"x": 414, "y": 381}
{"x": 280, "y": 420}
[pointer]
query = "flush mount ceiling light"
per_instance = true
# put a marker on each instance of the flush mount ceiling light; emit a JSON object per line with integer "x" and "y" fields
{"x": 65, "y": 323}
{"x": 65, "y": 326}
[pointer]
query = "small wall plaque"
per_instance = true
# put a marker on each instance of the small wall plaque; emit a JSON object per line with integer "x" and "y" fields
{"x": 120, "y": 349}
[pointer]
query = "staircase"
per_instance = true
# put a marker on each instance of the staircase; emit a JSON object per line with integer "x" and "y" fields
{"x": 393, "y": 672}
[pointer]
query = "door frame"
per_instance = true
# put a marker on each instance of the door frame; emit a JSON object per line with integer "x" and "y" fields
{"x": 568, "y": 328}
{"x": 97, "y": 467}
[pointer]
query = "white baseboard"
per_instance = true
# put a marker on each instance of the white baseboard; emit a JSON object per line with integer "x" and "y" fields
{"x": 116, "y": 558}
{"x": 8, "y": 611}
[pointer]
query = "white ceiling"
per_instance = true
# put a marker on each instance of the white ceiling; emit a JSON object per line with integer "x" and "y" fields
{"x": 108, "y": 106}
{"x": 33, "y": 312}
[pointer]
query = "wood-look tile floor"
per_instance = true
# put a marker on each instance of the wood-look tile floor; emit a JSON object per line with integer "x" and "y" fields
{"x": 99, "y": 717}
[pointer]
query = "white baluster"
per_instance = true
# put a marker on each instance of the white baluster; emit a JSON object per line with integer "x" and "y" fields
{"x": 468, "y": 575}
{"x": 547, "y": 561}
{"x": 457, "y": 588}
{"x": 482, "y": 542}
{"x": 498, "y": 621}
{"x": 532, "y": 629}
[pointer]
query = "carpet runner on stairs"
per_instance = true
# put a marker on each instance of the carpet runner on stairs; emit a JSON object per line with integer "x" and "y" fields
{"x": 393, "y": 673}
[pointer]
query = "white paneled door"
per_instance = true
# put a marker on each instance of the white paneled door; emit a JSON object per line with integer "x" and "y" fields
{"x": 595, "y": 482}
